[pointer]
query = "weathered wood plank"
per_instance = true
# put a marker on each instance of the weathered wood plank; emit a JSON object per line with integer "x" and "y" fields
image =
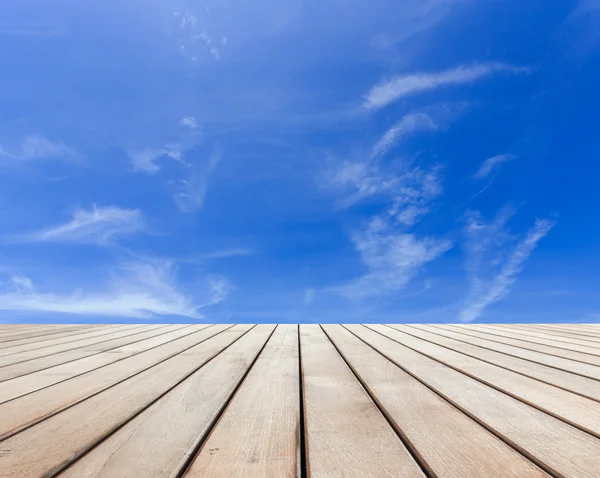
{"x": 448, "y": 441}
{"x": 346, "y": 435}
{"x": 542, "y": 437}
{"x": 17, "y": 387}
{"x": 8, "y": 372}
{"x": 584, "y": 386}
{"x": 56, "y": 442}
{"x": 27, "y": 410}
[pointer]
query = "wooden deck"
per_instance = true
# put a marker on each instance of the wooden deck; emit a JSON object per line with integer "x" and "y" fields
{"x": 276, "y": 401}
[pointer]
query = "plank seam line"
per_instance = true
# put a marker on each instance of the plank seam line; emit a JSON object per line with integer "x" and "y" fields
{"x": 197, "y": 449}
{"x": 412, "y": 450}
{"x": 521, "y": 347}
{"x": 101, "y": 366}
{"x": 87, "y": 397}
{"x": 303, "y": 459}
{"x": 491, "y": 331}
{"x": 506, "y": 353}
{"x": 491, "y": 385}
{"x": 547, "y": 336}
{"x": 22, "y": 335}
{"x": 552, "y": 332}
{"x": 46, "y": 335}
{"x": 475, "y": 357}
{"x": 70, "y": 461}
{"x": 567, "y": 332}
{"x": 484, "y": 425}
{"x": 75, "y": 340}
{"x": 73, "y": 360}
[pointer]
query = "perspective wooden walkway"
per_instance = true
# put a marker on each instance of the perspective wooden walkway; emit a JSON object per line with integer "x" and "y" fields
{"x": 323, "y": 401}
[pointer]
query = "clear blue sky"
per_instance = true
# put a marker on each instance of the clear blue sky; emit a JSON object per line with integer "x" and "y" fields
{"x": 299, "y": 161}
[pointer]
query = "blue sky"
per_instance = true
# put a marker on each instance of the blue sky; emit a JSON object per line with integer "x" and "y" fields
{"x": 299, "y": 161}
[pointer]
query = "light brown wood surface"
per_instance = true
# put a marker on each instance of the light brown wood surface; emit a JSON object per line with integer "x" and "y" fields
{"x": 41, "y": 363}
{"x": 346, "y": 437}
{"x": 196, "y": 400}
{"x": 543, "y": 437}
{"x": 450, "y": 443}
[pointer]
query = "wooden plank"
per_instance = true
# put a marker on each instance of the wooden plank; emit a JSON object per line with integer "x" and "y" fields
{"x": 346, "y": 435}
{"x": 259, "y": 433}
{"x": 6, "y": 339}
{"x": 543, "y": 339}
{"x": 8, "y": 372}
{"x": 541, "y": 437}
{"x": 29, "y": 409}
{"x": 574, "y": 367}
{"x": 24, "y": 356}
{"x": 450, "y": 443}
{"x": 60, "y": 339}
{"x": 161, "y": 440}
{"x": 574, "y": 409}
{"x": 586, "y": 387}
{"x": 56, "y": 443}
{"x": 17, "y": 387}
{"x": 517, "y": 342}
{"x": 564, "y": 332}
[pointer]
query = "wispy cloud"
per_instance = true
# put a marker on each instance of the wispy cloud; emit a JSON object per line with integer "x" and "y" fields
{"x": 98, "y": 225}
{"x": 490, "y": 164}
{"x": 138, "y": 290}
{"x": 406, "y": 187}
{"x": 188, "y": 122}
{"x": 225, "y": 253}
{"x": 309, "y": 296}
{"x": 409, "y": 124}
{"x": 191, "y": 192}
{"x": 392, "y": 258}
{"x": 391, "y": 90}
{"x": 34, "y": 148}
{"x": 495, "y": 258}
{"x": 145, "y": 160}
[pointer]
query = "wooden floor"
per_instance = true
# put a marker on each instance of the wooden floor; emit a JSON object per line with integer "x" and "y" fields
{"x": 277, "y": 401}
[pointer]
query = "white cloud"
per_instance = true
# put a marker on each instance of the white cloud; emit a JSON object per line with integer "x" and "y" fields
{"x": 191, "y": 192}
{"x": 145, "y": 160}
{"x": 34, "y": 148}
{"x": 188, "y": 122}
{"x": 225, "y": 253}
{"x": 139, "y": 290}
{"x": 97, "y": 225}
{"x": 392, "y": 90}
{"x": 410, "y": 123}
{"x": 21, "y": 283}
{"x": 492, "y": 163}
{"x": 495, "y": 258}
{"x": 393, "y": 258}
{"x": 309, "y": 296}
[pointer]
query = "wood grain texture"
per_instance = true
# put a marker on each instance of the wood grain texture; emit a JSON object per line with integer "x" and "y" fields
{"x": 167, "y": 401}
{"x": 264, "y": 442}
{"x": 20, "y": 386}
{"x": 552, "y": 332}
{"x": 450, "y": 443}
{"x": 345, "y": 437}
{"x": 534, "y": 337}
{"x": 583, "y": 386}
{"x": 64, "y": 436}
{"x": 517, "y": 342}
{"x": 29, "y": 409}
{"x": 6, "y": 339}
{"x": 8, "y": 372}
{"x": 579, "y": 368}
{"x": 60, "y": 339}
{"x": 158, "y": 442}
{"x": 551, "y": 443}
{"x": 572, "y": 408}
{"x": 43, "y": 352}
